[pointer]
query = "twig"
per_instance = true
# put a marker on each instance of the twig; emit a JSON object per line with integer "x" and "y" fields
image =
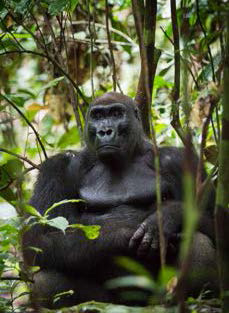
{"x": 114, "y": 77}
{"x": 21, "y": 158}
{"x": 166, "y": 35}
{"x": 111, "y": 30}
{"x": 176, "y": 91}
{"x": 15, "y": 278}
{"x": 40, "y": 32}
{"x": 27, "y": 121}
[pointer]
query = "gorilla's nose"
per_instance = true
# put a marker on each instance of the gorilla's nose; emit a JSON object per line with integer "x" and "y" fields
{"x": 105, "y": 133}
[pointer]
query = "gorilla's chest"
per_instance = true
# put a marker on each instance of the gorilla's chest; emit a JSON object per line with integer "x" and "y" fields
{"x": 104, "y": 188}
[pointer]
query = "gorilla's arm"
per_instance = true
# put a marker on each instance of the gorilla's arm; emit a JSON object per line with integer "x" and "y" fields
{"x": 73, "y": 249}
{"x": 146, "y": 238}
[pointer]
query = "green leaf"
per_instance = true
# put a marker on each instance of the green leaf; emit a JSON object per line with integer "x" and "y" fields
{"x": 90, "y": 231}
{"x": 46, "y": 124}
{"x": 13, "y": 168}
{"x": 70, "y": 138}
{"x": 8, "y": 195}
{"x": 60, "y": 203}
{"x": 35, "y": 249}
{"x": 57, "y": 6}
{"x": 73, "y": 4}
{"x": 59, "y": 222}
{"x": 193, "y": 18}
{"x": 62, "y": 294}
{"x": 130, "y": 281}
{"x": 211, "y": 154}
{"x": 166, "y": 274}
{"x": 3, "y": 12}
{"x": 22, "y": 6}
{"x": 165, "y": 70}
{"x": 31, "y": 210}
{"x": 18, "y": 36}
{"x": 132, "y": 266}
{"x": 52, "y": 83}
{"x": 34, "y": 269}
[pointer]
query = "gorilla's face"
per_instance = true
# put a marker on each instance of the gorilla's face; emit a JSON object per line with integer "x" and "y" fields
{"x": 112, "y": 130}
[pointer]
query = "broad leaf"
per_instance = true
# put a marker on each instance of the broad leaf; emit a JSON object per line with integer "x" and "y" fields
{"x": 59, "y": 222}
{"x": 70, "y": 138}
{"x": 90, "y": 231}
{"x": 57, "y": 6}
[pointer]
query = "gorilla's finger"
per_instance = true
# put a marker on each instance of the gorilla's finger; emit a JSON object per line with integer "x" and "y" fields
{"x": 144, "y": 245}
{"x": 137, "y": 236}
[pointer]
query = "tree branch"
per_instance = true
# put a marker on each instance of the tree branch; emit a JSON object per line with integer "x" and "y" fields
{"x": 21, "y": 158}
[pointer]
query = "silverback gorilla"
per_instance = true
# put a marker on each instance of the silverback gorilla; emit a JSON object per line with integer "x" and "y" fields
{"x": 115, "y": 176}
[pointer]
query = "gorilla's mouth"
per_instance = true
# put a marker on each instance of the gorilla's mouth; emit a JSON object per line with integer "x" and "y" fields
{"x": 108, "y": 147}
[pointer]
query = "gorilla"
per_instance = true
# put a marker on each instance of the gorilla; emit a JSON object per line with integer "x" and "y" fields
{"x": 115, "y": 176}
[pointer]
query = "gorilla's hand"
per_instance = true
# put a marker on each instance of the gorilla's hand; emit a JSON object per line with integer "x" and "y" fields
{"x": 146, "y": 238}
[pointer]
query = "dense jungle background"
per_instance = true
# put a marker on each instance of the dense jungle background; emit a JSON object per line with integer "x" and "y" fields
{"x": 56, "y": 56}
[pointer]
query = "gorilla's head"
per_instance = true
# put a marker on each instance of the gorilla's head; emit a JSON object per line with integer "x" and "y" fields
{"x": 113, "y": 128}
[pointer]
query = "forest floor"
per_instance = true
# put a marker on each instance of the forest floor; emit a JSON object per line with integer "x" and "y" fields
{"x": 210, "y": 306}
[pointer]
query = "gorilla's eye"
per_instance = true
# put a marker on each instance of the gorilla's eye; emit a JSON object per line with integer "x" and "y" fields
{"x": 118, "y": 113}
{"x": 96, "y": 114}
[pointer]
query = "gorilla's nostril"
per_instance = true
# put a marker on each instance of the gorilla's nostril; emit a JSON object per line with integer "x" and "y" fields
{"x": 102, "y": 133}
{"x": 109, "y": 132}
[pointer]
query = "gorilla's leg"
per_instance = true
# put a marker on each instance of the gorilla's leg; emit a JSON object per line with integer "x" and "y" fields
{"x": 203, "y": 267}
{"x": 49, "y": 283}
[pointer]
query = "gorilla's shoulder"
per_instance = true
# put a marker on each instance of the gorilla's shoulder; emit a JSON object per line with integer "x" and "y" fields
{"x": 67, "y": 162}
{"x": 59, "y": 162}
{"x": 171, "y": 154}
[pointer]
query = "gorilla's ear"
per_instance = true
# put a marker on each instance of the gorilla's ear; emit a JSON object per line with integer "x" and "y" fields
{"x": 137, "y": 114}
